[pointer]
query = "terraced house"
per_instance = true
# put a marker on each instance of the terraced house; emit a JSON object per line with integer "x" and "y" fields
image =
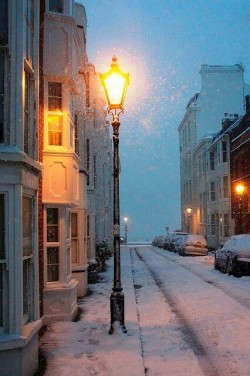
{"x": 44, "y": 172}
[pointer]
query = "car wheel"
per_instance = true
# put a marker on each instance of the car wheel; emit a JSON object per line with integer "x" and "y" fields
{"x": 216, "y": 266}
{"x": 229, "y": 268}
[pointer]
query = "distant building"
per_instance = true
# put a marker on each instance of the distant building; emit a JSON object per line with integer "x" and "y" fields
{"x": 99, "y": 166}
{"x": 222, "y": 91}
{"x": 240, "y": 172}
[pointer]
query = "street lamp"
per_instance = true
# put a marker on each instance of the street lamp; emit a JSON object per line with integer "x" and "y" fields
{"x": 126, "y": 229}
{"x": 240, "y": 190}
{"x": 189, "y": 212}
{"x": 115, "y": 84}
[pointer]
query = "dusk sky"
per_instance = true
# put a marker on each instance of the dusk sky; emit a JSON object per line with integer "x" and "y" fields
{"x": 162, "y": 44}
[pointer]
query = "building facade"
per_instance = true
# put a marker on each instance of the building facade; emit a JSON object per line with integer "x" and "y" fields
{"x": 222, "y": 91}
{"x": 99, "y": 167}
{"x": 20, "y": 171}
{"x": 240, "y": 172}
{"x": 64, "y": 172}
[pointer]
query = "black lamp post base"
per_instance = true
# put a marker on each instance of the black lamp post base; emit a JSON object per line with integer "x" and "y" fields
{"x": 117, "y": 311}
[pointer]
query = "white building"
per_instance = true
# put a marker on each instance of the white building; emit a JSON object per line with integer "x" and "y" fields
{"x": 99, "y": 166}
{"x": 20, "y": 172}
{"x": 64, "y": 174}
{"x": 222, "y": 91}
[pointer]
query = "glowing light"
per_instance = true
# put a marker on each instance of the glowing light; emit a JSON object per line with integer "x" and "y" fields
{"x": 125, "y": 219}
{"x": 115, "y": 84}
{"x": 240, "y": 189}
{"x": 189, "y": 210}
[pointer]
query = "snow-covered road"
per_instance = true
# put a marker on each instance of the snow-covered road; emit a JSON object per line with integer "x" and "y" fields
{"x": 183, "y": 318}
{"x": 211, "y": 309}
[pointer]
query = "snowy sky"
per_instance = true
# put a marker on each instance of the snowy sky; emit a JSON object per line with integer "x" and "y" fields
{"x": 162, "y": 44}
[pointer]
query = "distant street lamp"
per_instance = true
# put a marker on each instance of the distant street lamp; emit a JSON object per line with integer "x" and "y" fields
{"x": 126, "y": 229}
{"x": 115, "y": 84}
{"x": 240, "y": 190}
{"x": 189, "y": 212}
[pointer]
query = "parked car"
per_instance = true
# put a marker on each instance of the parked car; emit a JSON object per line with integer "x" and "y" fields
{"x": 234, "y": 256}
{"x": 159, "y": 241}
{"x": 192, "y": 245}
{"x": 174, "y": 239}
{"x": 122, "y": 240}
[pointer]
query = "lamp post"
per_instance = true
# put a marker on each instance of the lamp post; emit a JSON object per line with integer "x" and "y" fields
{"x": 240, "y": 190}
{"x": 115, "y": 83}
{"x": 189, "y": 212}
{"x": 126, "y": 229}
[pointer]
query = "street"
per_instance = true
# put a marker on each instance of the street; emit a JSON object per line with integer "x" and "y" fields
{"x": 182, "y": 316}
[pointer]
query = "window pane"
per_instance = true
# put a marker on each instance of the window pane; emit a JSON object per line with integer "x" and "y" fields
{"x": 2, "y": 227}
{"x": 74, "y": 251}
{"x": 52, "y": 216}
{"x": 52, "y": 234}
{"x": 68, "y": 266}
{"x": 1, "y": 294}
{"x": 74, "y": 232}
{"x": 27, "y": 226}
{"x": 56, "y": 6}
{"x": 4, "y": 22}
{"x": 52, "y": 264}
{"x": 2, "y": 73}
{"x": 55, "y": 130}
{"x": 55, "y": 96}
{"x": 26, "y": 284}
{"x": 52, "y": 225}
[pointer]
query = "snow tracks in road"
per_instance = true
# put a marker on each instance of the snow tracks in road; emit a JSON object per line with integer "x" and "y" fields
{"x": 195, "y": 328}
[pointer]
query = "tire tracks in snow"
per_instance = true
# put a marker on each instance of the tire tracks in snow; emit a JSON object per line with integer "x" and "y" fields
{"x": 215, "y": 284}
{"x": 207, "y": 363}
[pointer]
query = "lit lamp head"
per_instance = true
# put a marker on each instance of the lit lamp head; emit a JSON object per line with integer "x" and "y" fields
{"x": 240, "y": 189}
{"x": 189, "y": 211}
{"x": 115, "y": 84}
{"x": 125, "y": 219}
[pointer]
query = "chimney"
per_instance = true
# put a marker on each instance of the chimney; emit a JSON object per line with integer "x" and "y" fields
{"x": 247, "y": 99}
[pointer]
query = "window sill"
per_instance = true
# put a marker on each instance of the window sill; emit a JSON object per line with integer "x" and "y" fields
{"x": 13, "y": 341}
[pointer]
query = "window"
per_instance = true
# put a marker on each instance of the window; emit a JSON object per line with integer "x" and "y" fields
{"x": 76, "y": 135}
{"x": 56, "y": 6}
{"x": 86, "y": 77}
{"x": 212, "y": 191}
{"x": 29, "y": 17}
{"x": 204, "y": 162}
{"x": 95, "y": 176}
{"x": 53, "y": 249}
{"x": 2, "y": 257}
{"x": 55, "y": 119}
{"x": 225, "y": 187}
{"x": 212, "y": 223}
{"x": 226, "y": 225}
{"x": 55, "y": 129}
{"x": 74, "y": 239}
{"x": 26, "y": 109}
{"x": 52, "y": 264}
{"x": 55, "y": 96}
{"x": 211, "y": 159}
{"x": 4, "y": 22}
{"x": 88, "y": 159}
{"x": 28, "y": 230}
{"x": 224, "y": 151}
{"x": 2, "y": 75}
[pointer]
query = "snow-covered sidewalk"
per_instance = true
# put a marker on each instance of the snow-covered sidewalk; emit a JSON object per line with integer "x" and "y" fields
{"x": 85, "y": 347}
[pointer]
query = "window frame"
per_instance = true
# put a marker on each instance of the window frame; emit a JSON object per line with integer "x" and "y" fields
{"x": 29, "y": 260}
{"x": 52, "y": 244}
